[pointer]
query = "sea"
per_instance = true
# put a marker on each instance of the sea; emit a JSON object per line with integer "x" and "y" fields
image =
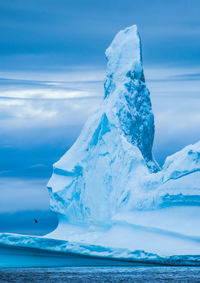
{"x": 102, "y": 274}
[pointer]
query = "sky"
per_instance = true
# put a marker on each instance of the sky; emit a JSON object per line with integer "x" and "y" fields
{"x": 52, "y": 67}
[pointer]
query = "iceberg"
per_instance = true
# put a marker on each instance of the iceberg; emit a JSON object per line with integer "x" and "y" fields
{"x": 102, "y": 171}
{"x": 113, "y": 201}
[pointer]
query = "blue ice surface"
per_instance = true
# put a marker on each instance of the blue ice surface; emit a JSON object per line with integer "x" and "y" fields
{"x": 11, "y": 256}
{"x": 101, "y": 130}
{"x": 32, "y": 251}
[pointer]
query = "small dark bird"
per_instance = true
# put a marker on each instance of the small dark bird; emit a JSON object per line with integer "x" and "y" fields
{"x": 35, "y": 220}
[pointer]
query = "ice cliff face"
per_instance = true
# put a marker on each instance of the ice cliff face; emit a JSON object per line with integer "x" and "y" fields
{"x": 101, "y": 172}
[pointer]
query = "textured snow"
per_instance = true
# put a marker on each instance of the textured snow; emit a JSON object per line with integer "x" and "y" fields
{"x": 111, "y": 197}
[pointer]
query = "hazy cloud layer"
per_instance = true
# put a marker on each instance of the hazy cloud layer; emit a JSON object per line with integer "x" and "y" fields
{"x": 43, "y": 118}
{"x": 15, "y": 191}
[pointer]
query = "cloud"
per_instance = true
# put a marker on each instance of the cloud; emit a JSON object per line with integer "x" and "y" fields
{"x": 177, "y": 122}
{"x": 37, "y": 108}
{"x": 21, "y": 194}
{"x": 188, "y": 77}
{"x": 175, "y": 99}
{"x": 49, "y": 103}
{"x": 37, "y": 165}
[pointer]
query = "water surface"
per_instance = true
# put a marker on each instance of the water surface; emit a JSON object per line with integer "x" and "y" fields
{"x": 101, "y": 274}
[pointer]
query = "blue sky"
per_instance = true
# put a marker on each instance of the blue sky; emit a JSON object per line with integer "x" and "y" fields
{"x": 52, "y": 67}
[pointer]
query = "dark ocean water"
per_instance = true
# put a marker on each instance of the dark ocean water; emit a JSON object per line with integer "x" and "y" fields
{"x": 101, "y": 274}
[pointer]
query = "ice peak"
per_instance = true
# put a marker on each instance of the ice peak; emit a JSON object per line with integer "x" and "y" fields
{"x": 125, "y": 87}
{"x": 124, "y": 58}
